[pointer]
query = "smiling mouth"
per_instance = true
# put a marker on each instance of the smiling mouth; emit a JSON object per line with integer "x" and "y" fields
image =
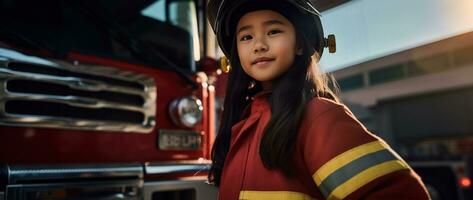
{"x": 262, "y": 61}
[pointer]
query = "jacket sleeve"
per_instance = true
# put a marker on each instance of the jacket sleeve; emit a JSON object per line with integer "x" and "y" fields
{"x": 348, "y": 162}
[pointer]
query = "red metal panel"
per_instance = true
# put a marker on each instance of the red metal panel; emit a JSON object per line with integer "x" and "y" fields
{"x": 41, "y": 145}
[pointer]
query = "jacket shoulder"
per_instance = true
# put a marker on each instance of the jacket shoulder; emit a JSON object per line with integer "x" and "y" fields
{"x": 318, "y": 106}
{"x": 347, "y": 161}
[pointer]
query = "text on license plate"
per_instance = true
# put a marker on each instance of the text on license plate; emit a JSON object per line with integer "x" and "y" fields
{"x": 179, "y": 140}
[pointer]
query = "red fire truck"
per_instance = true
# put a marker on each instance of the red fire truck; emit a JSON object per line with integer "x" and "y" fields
{"x": 105, "y": 100}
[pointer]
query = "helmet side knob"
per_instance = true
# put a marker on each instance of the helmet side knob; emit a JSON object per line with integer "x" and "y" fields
{"x": 330, "y": 43}
{"x": 225, "y": 65}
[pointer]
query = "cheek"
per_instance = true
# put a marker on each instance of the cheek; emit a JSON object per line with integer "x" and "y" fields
{"x": 286, "y": 46}
{"x": 287, "y": 49}
{"x": 243, "y": 55}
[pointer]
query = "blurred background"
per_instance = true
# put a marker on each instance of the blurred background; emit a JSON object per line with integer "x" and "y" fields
{"x": 405, "y": 68}
{"x": 120, "y": 99}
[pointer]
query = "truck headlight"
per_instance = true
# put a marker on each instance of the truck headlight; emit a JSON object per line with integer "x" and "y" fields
{"x": 186, "y": 111}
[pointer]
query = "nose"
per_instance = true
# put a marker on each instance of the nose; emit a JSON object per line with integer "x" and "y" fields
{"x": 260, "y": 46}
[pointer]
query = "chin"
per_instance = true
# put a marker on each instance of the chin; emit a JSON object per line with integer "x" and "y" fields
{"x": 262, "y": 79}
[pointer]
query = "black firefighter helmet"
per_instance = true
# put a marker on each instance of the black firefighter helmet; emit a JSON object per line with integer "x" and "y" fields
{"x": 223, "y": 16}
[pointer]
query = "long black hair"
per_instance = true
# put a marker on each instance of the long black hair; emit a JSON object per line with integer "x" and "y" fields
{"x": 301, "y": 82}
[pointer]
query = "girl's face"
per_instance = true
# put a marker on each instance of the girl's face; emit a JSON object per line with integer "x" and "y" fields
{"x": 266, "y": 43}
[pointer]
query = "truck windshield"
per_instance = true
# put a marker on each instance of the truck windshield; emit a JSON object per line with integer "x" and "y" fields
{"x": 167, "y": 26}
{"x": 179, "y": 13}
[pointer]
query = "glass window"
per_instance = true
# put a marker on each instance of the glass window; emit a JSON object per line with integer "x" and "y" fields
{"x": 157, "y": 11}
{"x": 135, "y": 31}
{"x": 386, "y": 74}
{"x": 183, "y": 15}
{"x": 351, "y": 82}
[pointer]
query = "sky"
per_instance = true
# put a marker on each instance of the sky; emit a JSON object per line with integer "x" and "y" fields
{"x": 369, "y": 29}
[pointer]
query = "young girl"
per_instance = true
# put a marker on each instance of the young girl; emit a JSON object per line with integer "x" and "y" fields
{"x": 284, "y": 134}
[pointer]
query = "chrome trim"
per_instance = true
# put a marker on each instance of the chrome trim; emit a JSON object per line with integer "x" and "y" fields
{"x": 203, "y": 191}
{"x": 130, "y": 189}
{"x": 176, "y": 112}
{"x": 72, "y": 101}
{"x": 177, "y": 167}
{"x": 24, "y": 173}
{"x": 78, "y": 83}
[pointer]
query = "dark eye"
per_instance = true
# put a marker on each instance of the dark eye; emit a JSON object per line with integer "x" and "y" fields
{"x": 272, "y": 32}
{"x": 246, "y": 37}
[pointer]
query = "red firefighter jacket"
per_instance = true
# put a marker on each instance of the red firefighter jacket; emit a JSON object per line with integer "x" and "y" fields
{"x": 335, "y": 157}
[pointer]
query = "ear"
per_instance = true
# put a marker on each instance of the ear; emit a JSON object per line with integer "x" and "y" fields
{"x": 299, "y": 51}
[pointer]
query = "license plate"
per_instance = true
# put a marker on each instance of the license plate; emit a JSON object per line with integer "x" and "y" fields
{"x": 179, "y": 140}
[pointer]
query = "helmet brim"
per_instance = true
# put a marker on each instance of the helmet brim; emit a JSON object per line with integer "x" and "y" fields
{"x": 224, "y": 15}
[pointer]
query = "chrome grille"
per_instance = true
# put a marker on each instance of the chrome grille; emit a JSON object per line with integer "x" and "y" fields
{"x": 57, "y": 94}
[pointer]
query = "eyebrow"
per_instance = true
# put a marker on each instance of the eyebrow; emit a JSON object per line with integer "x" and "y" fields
{"x": 266, "y": 23}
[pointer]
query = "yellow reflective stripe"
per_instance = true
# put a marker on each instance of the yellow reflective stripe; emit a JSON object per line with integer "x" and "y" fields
{"x": 365, "y": 177}
{"x": 345, "y": 158}
{"x": 273, "y": 195}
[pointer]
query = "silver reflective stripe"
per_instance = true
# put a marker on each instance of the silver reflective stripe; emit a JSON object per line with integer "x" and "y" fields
{"x": 353, "y": 168}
